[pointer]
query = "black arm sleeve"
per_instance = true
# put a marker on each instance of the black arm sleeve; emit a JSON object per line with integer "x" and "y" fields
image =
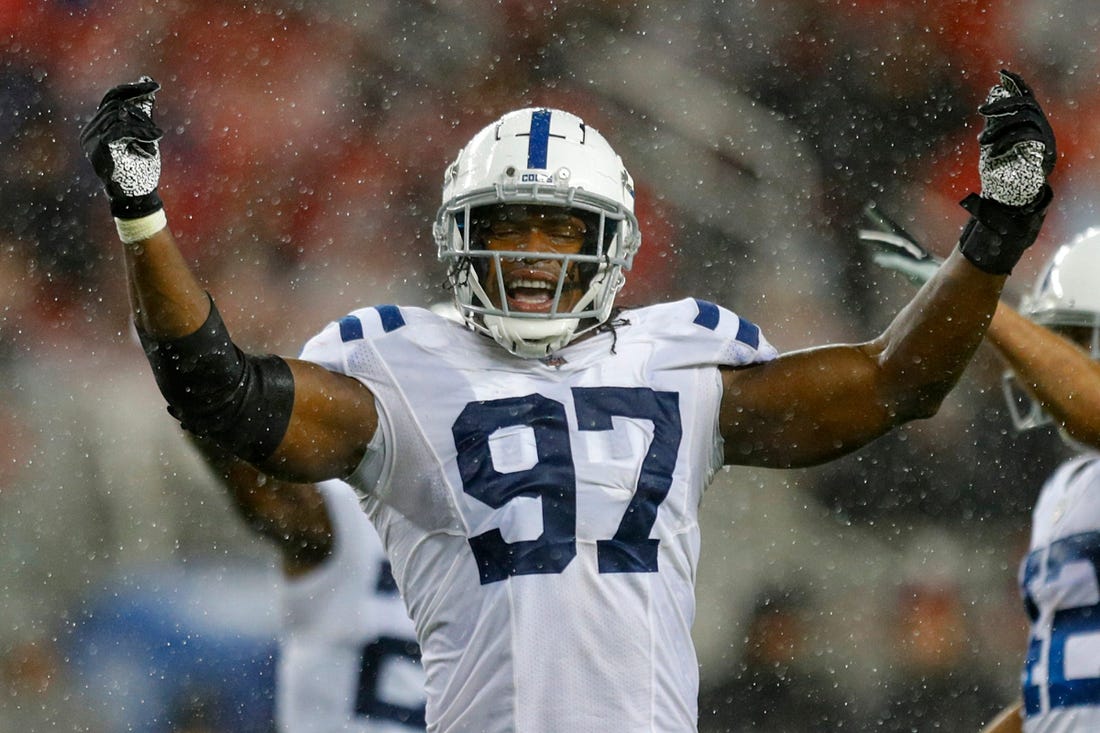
{"x": 240, "y": 401}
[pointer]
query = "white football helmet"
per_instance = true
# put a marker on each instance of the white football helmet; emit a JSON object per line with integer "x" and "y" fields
{"x": 1066, "y": 294}
{"x": 543, "y": 157}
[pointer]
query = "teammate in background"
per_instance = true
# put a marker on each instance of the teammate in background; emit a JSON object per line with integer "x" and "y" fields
{"x": 1051, "y": 346}
{"x": 536, "y": 472}
{"x": 348, "y": 658}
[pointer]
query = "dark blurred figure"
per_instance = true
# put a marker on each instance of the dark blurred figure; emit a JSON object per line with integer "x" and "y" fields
{"x": 774, "y": 691}
{"x": 43, "y": 208}
{"x": 940, "y": 683}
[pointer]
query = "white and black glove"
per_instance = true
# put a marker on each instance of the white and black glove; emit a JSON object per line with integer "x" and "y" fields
{"x": 121, "y": 141}
{"x": 1016, "y": 157}
{"x": 893, "y": 248}
{"x": 1017, "y": 145}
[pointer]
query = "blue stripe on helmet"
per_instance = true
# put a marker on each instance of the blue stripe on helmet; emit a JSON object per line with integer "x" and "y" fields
{"x": 539, "y": 140}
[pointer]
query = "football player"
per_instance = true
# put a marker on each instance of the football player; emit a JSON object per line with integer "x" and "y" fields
{"x": 348, "y": 657}
{"x": 535, "y": 472}
{"x": 1051, "y": 346}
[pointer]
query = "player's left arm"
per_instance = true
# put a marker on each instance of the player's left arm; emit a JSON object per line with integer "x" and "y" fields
{"x": 1057, "y": 372}
{"x": 811, "y": 406}
{"x": 291, "y": 515}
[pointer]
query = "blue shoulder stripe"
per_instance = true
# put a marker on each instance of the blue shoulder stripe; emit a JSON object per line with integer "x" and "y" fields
{"x": 708, "y": 314}
{"x": 351, "y": 328}
{"x": 748, "y": 333}
{"x": 391, "y": 317}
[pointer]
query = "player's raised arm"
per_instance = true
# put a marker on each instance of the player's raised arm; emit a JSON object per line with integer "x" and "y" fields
{"x": 814, "y": 405}
{"x": 1051, "y": 344}
{"x": 265, "y": 409}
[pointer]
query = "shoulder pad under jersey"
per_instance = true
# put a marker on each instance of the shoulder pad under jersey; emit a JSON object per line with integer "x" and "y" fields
{"x": 328, "y": 348}
{"x": 694, "y": 331}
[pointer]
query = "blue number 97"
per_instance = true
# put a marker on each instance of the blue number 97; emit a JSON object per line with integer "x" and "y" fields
{"x": 552, "y": 478}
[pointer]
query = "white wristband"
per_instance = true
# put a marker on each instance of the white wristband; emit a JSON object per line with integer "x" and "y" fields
{"x": 135, "y": 230}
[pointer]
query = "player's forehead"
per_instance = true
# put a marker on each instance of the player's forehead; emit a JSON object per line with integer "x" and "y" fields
{"x": 527, "y": 214}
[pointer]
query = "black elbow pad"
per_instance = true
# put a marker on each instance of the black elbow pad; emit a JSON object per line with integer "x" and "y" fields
{"x": 240, "y": 401}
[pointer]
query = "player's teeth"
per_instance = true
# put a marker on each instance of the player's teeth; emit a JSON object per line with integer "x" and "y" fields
{"x": 539, "y": 284}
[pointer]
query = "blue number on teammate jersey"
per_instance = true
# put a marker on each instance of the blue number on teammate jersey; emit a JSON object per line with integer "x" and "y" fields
{"x": 373, "y": 665}
{"x": 1084, "y": 547}
{"x": 367, "y": 701}
{"x": 553, "y": 479}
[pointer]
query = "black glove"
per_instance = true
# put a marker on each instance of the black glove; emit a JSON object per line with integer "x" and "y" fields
{"x": 1017, "y": 154}
{"x": 1014, "y": 116}
{"x": 121, "y": 143}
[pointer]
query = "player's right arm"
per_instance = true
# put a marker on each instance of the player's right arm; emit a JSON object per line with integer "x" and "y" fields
{"x": 296, "y": 420}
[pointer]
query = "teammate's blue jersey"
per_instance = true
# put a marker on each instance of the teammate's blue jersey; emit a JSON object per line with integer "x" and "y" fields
{"x": 541, "y": 516}
{"x": 1060, "y": 581}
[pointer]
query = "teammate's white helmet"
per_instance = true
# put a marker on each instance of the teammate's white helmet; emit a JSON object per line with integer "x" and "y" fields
{"x": 1066, "y": 294}
{"x": 543, "y": 157}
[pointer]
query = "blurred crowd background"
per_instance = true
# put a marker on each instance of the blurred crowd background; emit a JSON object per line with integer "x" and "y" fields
{"x": 303, "y": 157}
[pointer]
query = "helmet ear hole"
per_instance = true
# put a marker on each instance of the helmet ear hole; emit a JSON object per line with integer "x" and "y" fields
{"x": 592, "y": 243}
{"x": 595, "y": 225}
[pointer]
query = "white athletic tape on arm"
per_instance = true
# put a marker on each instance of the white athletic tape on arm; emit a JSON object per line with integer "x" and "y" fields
{"x": 135, "y": 230}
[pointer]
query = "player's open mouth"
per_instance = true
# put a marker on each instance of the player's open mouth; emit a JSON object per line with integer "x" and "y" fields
{"x": 530, "y": 295}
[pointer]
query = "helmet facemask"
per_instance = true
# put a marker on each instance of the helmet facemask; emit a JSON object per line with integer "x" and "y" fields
{"x": 505, "y": 167}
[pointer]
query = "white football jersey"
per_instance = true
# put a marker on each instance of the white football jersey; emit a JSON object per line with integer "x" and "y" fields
{"x": 1059, "y": 582}
{"x": 348, "y": 659}
{"x": 541, "y": 515}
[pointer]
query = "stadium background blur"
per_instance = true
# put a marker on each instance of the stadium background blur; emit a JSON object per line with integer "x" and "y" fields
{"x": 304, "y": 150}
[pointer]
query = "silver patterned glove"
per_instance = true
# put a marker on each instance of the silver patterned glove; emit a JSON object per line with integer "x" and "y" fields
{"x": 1016, "y": 157}
{"x": 1017, "y": 175}
{"x": 121, "y": 142}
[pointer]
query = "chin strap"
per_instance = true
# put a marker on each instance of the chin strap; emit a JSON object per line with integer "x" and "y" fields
{"x": 531, "y": 339}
